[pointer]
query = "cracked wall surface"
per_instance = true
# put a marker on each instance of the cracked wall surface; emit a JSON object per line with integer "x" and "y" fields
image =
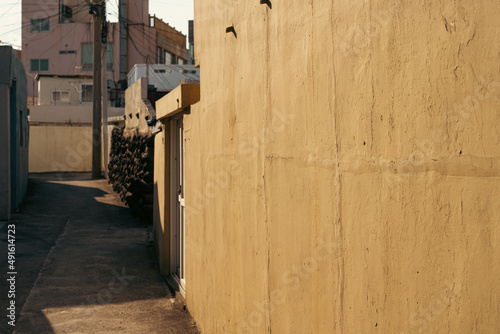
{"x": 343, "y": 167}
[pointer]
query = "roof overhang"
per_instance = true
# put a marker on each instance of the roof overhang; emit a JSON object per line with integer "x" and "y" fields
{"x": 177, "y": 100}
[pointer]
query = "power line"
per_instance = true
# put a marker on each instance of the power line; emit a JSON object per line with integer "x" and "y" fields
{"x": 79, "y": 8}
{"x": 73, "y": 64}
{"x": 149, "y": 41}
{"x": 58, "y": 41}
{"x": 170, "y": 66}
{"x": 132, "y": 23}
{"x": 98, "y": 9}
{"x": 9, "y": 9}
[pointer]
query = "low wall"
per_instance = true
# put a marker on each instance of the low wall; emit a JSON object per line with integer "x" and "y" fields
{"x": 68, "y": 114}
{"x": 61, "y": 148}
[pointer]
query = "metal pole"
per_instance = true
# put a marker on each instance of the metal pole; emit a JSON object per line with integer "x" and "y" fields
{"x": 105, "y": 111}
{"x": 96, "y": 91}
{"x": 147, "y": 74}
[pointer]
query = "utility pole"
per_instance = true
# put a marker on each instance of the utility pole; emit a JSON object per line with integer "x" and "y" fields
{"x": 147, "y": 72}
{"x": 104, "y": 94}
{"x": 96, "y": 10}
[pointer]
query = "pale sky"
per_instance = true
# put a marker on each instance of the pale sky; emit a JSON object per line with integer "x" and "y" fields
{"x": 177, "y": 13}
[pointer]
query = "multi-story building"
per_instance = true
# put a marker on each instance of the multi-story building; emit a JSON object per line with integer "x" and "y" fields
{"x": 164, "y": 77}
{"x": 68, "y": 99}
{"x": 171, "y": 44}
{"x": 58, "y": 35}
{"x": 61, "y": 123}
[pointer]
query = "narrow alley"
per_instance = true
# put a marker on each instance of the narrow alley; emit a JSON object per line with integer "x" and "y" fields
{"x": 84, "y": 264}
{"x": 250, "y": 167}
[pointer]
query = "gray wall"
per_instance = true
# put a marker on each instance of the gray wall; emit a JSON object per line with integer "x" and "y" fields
{"x": 14, "y": 132}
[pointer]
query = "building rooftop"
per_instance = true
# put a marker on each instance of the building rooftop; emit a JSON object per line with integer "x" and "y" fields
{"x": 63, "y": 76}
{"x": 164, "y": 77}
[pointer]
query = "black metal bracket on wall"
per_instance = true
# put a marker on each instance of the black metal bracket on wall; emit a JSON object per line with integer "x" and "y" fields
{"x": 231, "y": 29}
{"x": 267, "y": 2}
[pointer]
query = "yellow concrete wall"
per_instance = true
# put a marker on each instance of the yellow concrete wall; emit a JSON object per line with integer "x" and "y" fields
{"x": 134, "y": 105}
{"x": 69, "y": 114}
{"x": 342, "y": 168}
{"x": 55, "y": 148}
{"x": 161, "y": 203}
{"x": 62, "y": 148}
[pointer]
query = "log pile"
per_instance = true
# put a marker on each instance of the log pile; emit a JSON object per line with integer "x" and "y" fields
{"x": 131, "y": 168}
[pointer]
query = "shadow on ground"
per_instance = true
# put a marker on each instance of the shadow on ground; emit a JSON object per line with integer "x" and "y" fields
{"x": 85, "y": 264}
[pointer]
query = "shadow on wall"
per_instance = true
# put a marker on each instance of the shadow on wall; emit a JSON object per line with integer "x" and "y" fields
{"x": 14, "y": 132}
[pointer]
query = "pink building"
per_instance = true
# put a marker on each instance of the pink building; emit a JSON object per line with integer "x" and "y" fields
{"x": 57, "y": 39}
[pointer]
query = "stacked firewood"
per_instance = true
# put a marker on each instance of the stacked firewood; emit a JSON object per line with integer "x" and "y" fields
{"x": 131, "y": 171}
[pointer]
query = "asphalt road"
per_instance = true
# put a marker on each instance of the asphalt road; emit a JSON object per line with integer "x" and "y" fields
{"x": 83, "y": 264}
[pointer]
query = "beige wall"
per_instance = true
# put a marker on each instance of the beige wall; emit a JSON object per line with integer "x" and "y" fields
{"x": 62, "y": 148}
{"x": 73, "y": 85}
{"x": 168, "y": 110}
{"x": 68, "y": 114}
{"x": 56, "y": 148}
{"x": 135, "y": 108}
{"x": 342, "y": 168}
{"x": 162, "y": 200}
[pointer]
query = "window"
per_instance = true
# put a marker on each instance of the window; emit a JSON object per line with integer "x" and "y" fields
{"x": 66, "y": 13}
{"x": 159, "y": 55}
{"x": 109, "y": 56}
{"x": 40, "y": 25}
{"x": 169, "y": 58}
{"x": 86, "y": 93}
{"x": 180, "y": 61}
{"x": 88, "y": 56}
{"x": 39, "y": 65}
{"x": 60, "y": 96}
